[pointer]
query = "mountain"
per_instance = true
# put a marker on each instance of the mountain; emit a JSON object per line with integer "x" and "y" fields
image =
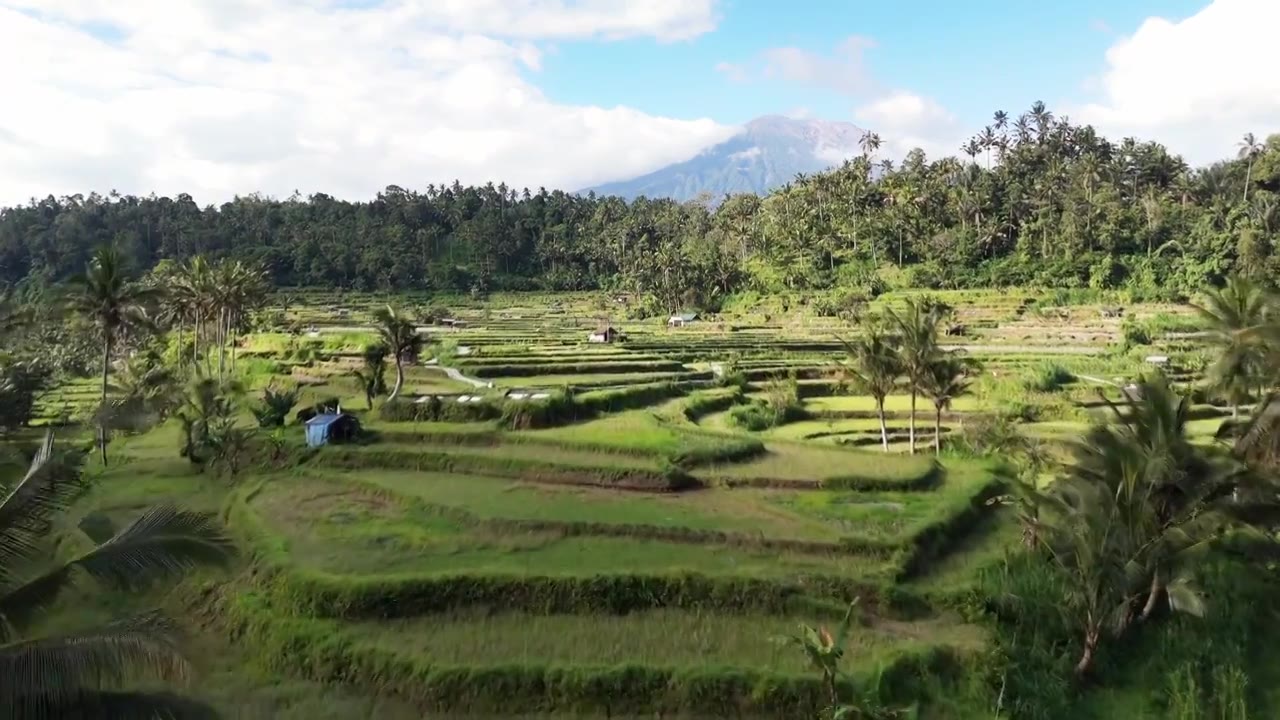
{"x": 769, "y": 152}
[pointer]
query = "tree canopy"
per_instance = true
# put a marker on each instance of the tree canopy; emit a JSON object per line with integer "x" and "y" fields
{"x": 1033, "y": 199}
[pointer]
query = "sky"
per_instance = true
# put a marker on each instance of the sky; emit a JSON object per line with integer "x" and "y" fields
{"x": 219, "y": 98}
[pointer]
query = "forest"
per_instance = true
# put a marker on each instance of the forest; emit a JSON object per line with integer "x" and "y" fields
{"x": 1034, "y": 200}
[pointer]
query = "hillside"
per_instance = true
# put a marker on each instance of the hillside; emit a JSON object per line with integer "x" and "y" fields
{"x": 769, "y": 152}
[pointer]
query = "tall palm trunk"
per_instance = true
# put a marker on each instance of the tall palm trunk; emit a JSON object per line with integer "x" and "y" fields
{"x": 884, "y": 430}
{"x": 395, "y": 391}
{"x": 102, "y": 412}
{"x": 222, "y": 342}
{"x": 195, "y": 344}
{"x": 1091, "y": 637}
{"x": 1157, "y": 589}
{"x": 911, "y": 432}
{"x": 937, "y": 430}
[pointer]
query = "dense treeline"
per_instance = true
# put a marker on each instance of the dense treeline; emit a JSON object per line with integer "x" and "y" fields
{"x": 1032, "y": 200}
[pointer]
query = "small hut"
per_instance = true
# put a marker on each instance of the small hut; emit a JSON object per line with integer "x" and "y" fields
{"x": 682, "y": 319}
{"x": 605, "y": 334}
{"x": 336, "y": 427}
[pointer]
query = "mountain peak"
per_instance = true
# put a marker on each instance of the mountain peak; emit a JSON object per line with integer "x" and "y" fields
{"x": 768, "y": 152}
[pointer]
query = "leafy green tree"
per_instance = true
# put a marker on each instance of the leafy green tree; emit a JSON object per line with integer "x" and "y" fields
{"x": 401, "y": 339}
{"x": 88, "y": 674}
{"x": 873, "y": 365}
{"x": 105, "y": 296}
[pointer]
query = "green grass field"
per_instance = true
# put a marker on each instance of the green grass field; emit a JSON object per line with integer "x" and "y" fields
{"x": 668, "y": 538}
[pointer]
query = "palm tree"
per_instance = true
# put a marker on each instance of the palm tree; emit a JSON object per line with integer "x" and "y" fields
{"x": 1126, "y": 521}
{"x": 1250, "y": 149}
{"x": 870, "y": 143}
{"x": 946, "y": 379}
{"x": 873, "y": 366}
{"x": 104, "y": 296}
{"x": 76, "y": 675}
{"x": 401, "y": 339}
{"x": 917, "y": 330}
{"x": 1235, "y": 317}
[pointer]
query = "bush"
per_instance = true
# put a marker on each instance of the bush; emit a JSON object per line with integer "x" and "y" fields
{"x": 275, "y": 407}
{"x": 1050, "y": 377}
{"x": 782, "y": 406}
{"x": 1134, "y": 334}
{"x": 437, "y": 409}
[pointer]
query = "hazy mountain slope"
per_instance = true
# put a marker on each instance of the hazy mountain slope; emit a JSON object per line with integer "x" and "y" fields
{"x": 769, "y": 152}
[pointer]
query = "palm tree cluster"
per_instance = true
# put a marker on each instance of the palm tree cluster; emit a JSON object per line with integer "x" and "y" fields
{"x": 215, "y": 300}
{"x": 901, "y": 351}
{"x": 85, "y": 674}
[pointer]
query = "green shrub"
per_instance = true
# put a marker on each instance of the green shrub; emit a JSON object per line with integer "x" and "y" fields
{"x": 275, "y": 407}
{"x": 1050, "y": 377}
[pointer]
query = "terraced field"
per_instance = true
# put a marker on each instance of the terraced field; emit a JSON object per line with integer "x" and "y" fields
{"x": 585, "y": 530}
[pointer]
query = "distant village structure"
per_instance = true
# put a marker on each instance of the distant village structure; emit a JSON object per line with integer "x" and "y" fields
{"x": 682, "y": 319}
{"x": 606, "y": 334}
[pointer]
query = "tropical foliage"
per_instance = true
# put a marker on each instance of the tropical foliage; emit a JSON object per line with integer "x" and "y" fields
{"x": 90, "y": 674}
{"x": 1032, "y": 199}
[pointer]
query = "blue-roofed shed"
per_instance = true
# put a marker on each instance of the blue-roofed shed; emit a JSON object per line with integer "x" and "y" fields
{"x": 331, "y": 427}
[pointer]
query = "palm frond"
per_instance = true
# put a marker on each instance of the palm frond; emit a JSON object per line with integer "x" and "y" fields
{"x": 58, "y": 667}
{"x": 1185, "y": 597}
{"x": 105, "y": 705}
{"x": 163, "y": 542}
{"x": 48, "y": 485}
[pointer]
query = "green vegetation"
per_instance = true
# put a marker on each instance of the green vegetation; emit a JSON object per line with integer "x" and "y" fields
{"x": 528, "y": 523}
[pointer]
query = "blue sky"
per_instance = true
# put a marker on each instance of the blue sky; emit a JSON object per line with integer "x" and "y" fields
{"x": 973, "y": 57}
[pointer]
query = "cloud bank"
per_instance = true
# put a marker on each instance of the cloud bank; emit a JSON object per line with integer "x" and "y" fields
{"x": 225, "y": 97}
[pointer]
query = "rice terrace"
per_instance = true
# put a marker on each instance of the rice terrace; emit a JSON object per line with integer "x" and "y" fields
{"x": 785, "y": 419}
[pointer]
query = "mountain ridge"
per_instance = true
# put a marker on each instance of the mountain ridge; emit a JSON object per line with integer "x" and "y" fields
{"x": 768, "y": 152}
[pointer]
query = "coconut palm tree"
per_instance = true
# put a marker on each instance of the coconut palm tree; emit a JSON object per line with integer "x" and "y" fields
{"x": 1237, "y": 319}
{"x": 873, "y": 366}
{"x": 106, "y": 297}
{"x": 401, "y": 339}
{"x": 946, "y": 378}
{"x": 84, "y": 675}
{"x": 1249, "y": 150}
{"x": 917, "y": 329}
{"x": 1126, "y": 520}
{"x": 870, "y": 143}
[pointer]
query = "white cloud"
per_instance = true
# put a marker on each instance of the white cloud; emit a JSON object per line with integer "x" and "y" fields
{"x": 224, "y": 97}
{"x": 1195, "y": 85}
{"x": 843, "y": 71}
{"x": 905, "y": 120}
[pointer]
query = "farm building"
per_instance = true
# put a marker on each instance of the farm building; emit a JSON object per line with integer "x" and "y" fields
{"x": 334, "y": 427}
{"x": 605, "y": 334}
{"x": 682, "y": 319}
